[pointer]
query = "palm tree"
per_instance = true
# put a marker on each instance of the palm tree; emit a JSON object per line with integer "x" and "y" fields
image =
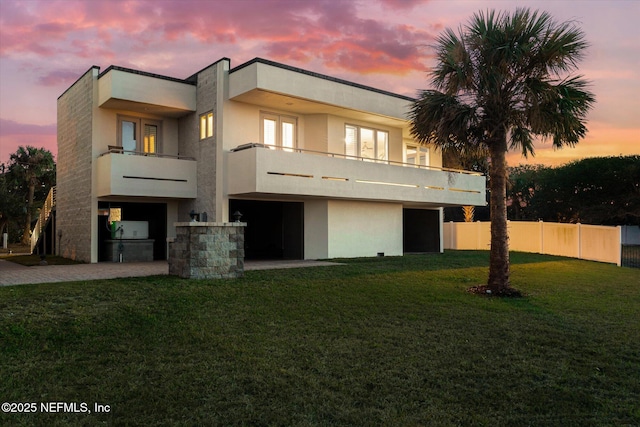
{"x": 32, "y": 166}
{"x": 501, "y": 81}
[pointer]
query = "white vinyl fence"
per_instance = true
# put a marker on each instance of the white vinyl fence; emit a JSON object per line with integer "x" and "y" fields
{"x": 590, "y": 242}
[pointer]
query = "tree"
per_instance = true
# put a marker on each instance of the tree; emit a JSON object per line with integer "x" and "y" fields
{"x": 11, "y": 203}
{"x": 525, "y": 186}
{"x": 498, "y": 83}
{"x": 31, "y": 169}
{"x": 597, "y": 190}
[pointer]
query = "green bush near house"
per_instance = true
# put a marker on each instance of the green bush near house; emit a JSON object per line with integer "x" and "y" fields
{"x": 379, "y": 341}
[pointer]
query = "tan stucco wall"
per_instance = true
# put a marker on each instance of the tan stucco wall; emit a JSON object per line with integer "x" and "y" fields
{"x": 363, "y": 229}
{"x": 316, "y": 229}
{"x": 318, "y": 132}
{"x": 345, "y": 229}
{"x": 238, "y": 124}
{"x": 106, "y": 126}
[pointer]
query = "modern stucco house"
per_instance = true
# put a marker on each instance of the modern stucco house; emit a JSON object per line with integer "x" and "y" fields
{"x": 319, "y": 167}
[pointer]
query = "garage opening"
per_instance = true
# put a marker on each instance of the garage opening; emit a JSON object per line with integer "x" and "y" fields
{"x": 420, "y": 230}
{"x": 153, "y": 213}
{"x": 275, "y": 230}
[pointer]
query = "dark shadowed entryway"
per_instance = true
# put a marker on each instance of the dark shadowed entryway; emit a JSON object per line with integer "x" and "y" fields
{"x": 421, "y": 230}
{"x": 275, "y": 230}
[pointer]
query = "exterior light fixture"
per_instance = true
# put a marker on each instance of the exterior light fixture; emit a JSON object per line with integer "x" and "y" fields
{"x": 237, "y": 215}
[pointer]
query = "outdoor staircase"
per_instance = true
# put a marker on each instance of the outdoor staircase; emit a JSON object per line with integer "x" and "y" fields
{"x": 44, "y": 218}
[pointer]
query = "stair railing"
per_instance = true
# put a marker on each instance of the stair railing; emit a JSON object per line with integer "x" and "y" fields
{"x": 45, "y": 212}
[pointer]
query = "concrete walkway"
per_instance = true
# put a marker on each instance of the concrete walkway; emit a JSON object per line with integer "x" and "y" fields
{"x": 16, "y": 274}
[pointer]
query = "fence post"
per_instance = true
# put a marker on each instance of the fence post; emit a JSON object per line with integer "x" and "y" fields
{"x": 452, "y": 230}
{"x": 619, "y": 246}
{"x": 579, "y": 241}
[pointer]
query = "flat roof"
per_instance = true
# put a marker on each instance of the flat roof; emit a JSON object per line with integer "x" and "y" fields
{"x": 190, "y": 80}
{"x": 144, "y": 73}
{"x": 320, "y": 76}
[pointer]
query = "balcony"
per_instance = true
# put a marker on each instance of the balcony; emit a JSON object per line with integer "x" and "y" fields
{"x": 120, "y": 173}
{"x": 262, "y": 172}
{"x": 277, "y": 86}
{"x": 123, "y": 89}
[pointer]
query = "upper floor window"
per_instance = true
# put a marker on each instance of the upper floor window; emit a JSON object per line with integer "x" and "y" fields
{"x": 366, "y": 143}
{"x": 206, "y": 125}
{"x": 278, "y": 130}
{"x": 416, "y": 155}
{"x": 137, "y": 134}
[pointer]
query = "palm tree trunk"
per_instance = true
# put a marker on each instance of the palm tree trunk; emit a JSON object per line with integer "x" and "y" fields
{"x": 26, "y": 235}
{"x": 499, "y": 256}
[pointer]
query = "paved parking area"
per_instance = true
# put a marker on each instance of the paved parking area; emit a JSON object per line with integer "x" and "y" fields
{"x": 16, "y": 274}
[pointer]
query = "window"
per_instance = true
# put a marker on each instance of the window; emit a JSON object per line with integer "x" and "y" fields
{"x": 417, "y": 155}
{"x": 115, "y": 214}
{"x": 206, "y": 125}
{"x": 136, "y": 134}
{"x": 278, "y": 131}
{"x": 366, "y": 143}
{"x": 150, "y": 140}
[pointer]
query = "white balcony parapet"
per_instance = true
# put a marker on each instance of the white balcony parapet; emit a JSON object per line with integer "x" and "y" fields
{"x": 295, "y": 172}
{"x": 127, "y": 173}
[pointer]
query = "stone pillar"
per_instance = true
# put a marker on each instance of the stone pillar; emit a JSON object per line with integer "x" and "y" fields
{"x": 207, "y": 250}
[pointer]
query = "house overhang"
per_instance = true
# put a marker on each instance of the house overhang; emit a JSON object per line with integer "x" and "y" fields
{"x": 280, "y": 87}
{"x": 124, "y": 89}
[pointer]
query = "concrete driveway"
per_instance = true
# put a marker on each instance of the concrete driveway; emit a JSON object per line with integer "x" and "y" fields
{"x": 16, "y": 274}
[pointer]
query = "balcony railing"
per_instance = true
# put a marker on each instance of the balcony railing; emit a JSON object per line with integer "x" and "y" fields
{"x": 349, "y": 157}
{"x": 43, "y": 217}
{"x": 133, "y": 173}
{"x": 119, "y": 150}
{"x": 254, "y": 171}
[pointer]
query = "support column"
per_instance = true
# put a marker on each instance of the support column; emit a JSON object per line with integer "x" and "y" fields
{"x": 207, "y": 250}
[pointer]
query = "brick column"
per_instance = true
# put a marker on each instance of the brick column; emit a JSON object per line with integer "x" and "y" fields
{"x": 207, "y": 250}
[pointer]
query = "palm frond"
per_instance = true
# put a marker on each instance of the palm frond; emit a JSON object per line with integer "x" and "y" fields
{"x": 502, "y": 75}
{"x": 520, "y": 137}
{"x": 558, "y": 111}
{"x": 441, "y": 119}
{"x": 452, "y": 72}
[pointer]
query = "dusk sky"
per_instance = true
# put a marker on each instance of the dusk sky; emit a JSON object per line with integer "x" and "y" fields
{"x": 45, "y": 45}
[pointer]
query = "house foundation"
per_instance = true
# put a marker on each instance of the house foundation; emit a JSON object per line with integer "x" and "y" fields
{"x": 207, "y": 250}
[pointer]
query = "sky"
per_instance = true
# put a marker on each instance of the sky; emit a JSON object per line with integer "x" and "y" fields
{"x": 45, "y": 45}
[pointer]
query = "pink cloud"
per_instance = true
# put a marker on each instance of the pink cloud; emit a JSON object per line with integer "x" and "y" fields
{"x": 9, "y": 145}
{"x": 347, "y": 42}
{"x": 289, "y": 30}
{"x": 59, "y": 77}
{"x": 402, "y": 4}
{"x": 13, "y": 128}
{"x": 14, "y": 134}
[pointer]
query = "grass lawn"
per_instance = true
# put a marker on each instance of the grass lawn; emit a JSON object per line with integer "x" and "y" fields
{"x": 379, "y": 341}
